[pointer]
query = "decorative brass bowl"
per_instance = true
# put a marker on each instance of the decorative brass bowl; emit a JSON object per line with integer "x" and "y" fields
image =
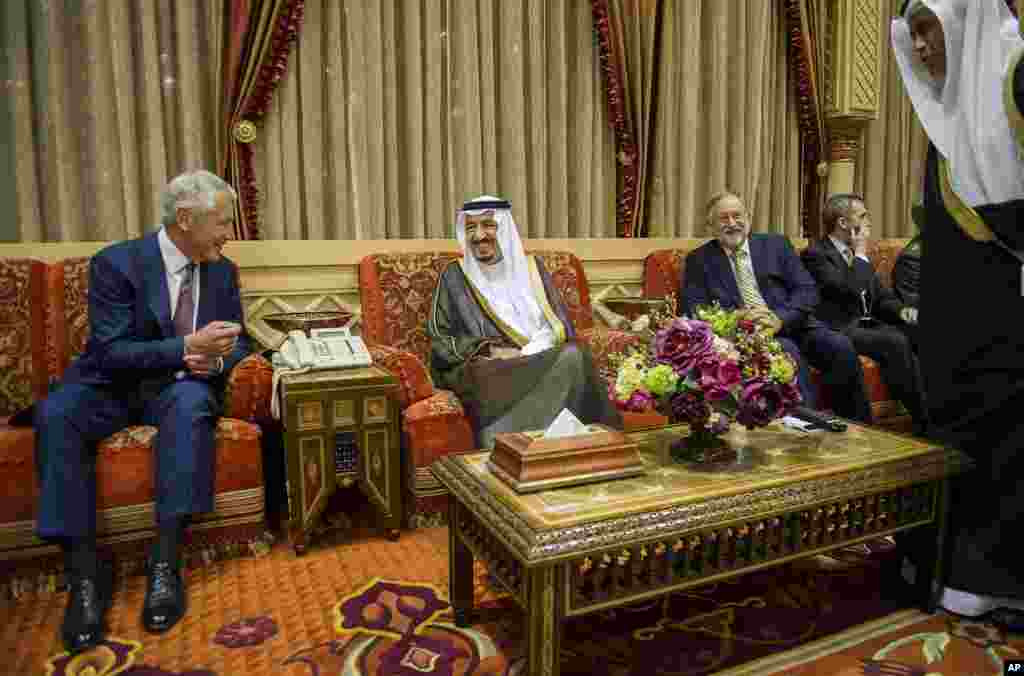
{"x": 306, "y": 321}
{"x": 631, "y": 308}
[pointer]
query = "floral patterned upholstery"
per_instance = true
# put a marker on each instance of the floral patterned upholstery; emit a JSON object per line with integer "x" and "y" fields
{"x": 124, "y": 468}
{"x": 396, "y": 293}
{"x": 23, "y": 369}
{"x": 662, "y": 270}
{"x": 43, "y": 326}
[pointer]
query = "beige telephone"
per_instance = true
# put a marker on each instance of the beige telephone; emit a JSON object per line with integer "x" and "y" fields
{"x": 324, "y": 349}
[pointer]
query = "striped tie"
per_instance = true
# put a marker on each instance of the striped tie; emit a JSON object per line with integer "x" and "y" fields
{"x": 746, "y": 281}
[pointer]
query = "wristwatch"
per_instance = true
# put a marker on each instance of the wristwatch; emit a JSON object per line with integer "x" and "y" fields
{"x": 220, "y": 365}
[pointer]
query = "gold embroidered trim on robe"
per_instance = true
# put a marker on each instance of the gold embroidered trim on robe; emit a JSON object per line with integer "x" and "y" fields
{"x": 967, "y": 218}
{"x": 537, "y": 282}
{"x": 1013, "y": 113}
{"x": 513, "y": 335}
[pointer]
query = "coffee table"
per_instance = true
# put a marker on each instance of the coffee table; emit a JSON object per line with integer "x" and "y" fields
{"x": 784, "y": 495}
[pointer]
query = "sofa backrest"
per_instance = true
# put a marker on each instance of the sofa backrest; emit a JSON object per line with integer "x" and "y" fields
{"x": 67, "y": 320}
{"x": 662, "y": 268}
{"x": 24, "y": 376}
{"x": 396, "y": 292}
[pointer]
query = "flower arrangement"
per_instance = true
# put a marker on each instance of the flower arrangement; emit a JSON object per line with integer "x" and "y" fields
{"x": 707, "y": 372}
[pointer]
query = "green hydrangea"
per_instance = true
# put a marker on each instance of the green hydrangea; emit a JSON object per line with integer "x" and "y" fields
{"x": 660, "y": 380}
{"x": 781, "y": 369}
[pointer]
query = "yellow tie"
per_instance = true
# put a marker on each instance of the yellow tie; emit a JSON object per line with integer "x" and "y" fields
{"x": 746, "y": 281}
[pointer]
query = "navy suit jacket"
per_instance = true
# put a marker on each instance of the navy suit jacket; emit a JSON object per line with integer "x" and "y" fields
{"x": 841, "y": 285}
{"x": 787, "y": 288}
{"x": 131, "y": 335}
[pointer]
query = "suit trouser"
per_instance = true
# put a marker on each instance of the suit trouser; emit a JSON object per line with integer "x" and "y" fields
{"x": 889, "y": 346}
{"x": 76, "y": 417}
{"x": 834, "y": 355}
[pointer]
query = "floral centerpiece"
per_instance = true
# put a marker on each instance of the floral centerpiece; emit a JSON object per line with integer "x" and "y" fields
{"x": 707, "y": 372}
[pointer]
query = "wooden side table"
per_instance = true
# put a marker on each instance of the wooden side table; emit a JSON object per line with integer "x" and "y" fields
{"x": 341, "y": 425}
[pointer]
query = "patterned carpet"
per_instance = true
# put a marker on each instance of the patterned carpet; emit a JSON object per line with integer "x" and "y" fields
{"x": 359, "y": 605}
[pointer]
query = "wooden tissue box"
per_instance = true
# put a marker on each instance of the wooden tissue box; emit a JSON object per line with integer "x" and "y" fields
{"x": 528, "y": 462}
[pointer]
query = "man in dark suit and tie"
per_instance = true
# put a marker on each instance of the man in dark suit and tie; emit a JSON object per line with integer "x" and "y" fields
{"x": 761, "y": 274}
{"x": 165, "y": 319}
{"x": 851, "y": 291}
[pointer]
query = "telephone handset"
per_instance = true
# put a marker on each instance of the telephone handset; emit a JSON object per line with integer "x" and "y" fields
{"x": 324, "y": 349}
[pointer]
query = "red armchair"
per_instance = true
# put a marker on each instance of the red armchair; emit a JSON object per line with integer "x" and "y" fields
{"x": 396, "y": 292}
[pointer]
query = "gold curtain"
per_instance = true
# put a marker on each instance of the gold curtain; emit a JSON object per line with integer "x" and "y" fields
{"x": 890, "y": 169}
{"x": 725, "y": 117}
{"x": 107, "y": 101}
{"x": 394, "y": 113}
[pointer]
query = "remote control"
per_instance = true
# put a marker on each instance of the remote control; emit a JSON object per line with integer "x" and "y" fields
{"x": 819, "y": 419}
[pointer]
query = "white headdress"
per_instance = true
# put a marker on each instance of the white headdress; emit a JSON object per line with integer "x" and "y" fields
{"x": 964, "y": 116}
{"x": 505, "y": 284}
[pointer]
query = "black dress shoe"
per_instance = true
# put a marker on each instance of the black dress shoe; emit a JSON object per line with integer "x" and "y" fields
{"x": 84, "y": 624}
{"x": 165, "y": 597}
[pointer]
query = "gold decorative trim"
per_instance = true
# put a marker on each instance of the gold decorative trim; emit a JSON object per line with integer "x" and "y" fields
{"x": 966, "y": 217}
{"x": 124, "y": 524}
{"x": 375, "y": 409}
{"x": 377, "y": 453}
{"x": 312, "y": 449}
{"x": 541, "y": 294}
{"x": 513, "y": 335}
{"x": 310, "y": 415}
{"x": 344, "y": 413}
{"x": 244, "y": 131}
{"x": 548, "y": 633}
{"x": 1013, "y": 113}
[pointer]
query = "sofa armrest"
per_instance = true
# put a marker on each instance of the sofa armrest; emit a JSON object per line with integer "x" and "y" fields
{"x": 247, "y": 396}
{"x": 415, "y": 383}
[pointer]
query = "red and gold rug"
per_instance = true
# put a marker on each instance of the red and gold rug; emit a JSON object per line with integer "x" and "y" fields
{"x": 359, "y": 605}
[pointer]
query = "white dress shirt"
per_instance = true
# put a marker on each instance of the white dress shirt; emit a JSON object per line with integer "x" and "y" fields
{"x": 847, "y": 252}
{"x": 175, "y": 264}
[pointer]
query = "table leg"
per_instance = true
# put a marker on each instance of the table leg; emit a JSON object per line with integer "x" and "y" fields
{"x": 933, "y": 566}
{"x": 460, "y": 570}
{"x": 543, "y": 621}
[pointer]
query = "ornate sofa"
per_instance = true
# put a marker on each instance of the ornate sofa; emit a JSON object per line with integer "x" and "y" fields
{"x": 396, "y": 291}
{"x": 43, "y": 326}
{"x": 662, "y": 271}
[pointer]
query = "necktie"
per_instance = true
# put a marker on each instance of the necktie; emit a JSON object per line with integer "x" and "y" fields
{"x": 746, "y": 282}
{"x": 848, "y": 256}
{"x": 186, "y": 307}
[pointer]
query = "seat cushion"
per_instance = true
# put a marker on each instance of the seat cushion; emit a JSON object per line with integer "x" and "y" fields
{"x": 124, "y": 467}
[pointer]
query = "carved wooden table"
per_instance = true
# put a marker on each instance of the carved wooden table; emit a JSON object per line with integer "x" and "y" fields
{"x": 341, "y": 426}
{"x": 784, "y": 495}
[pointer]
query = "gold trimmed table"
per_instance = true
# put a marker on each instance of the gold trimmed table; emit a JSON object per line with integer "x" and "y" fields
{"x": 341, "y": 427}
{"x": 782, "y": 495}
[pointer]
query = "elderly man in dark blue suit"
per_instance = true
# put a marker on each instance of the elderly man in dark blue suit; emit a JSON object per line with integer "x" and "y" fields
{"x": 761, "y": 274}
{"x": 165, "y": 318}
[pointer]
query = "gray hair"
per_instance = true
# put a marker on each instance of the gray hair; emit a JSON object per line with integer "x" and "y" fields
{"x": 192, "y": 190}
{"x": 839, "y": 205}
{"x": 715, "y": 199}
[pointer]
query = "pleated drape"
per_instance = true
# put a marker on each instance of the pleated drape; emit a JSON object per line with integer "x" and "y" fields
{"x": 725, "y": 117}
{"x": 890, "y": 169}
{"x": 394, "y": 113}
{"x": 106, "y": 100}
